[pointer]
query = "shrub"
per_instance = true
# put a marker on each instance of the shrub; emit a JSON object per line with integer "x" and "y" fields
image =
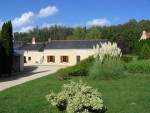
{"x": 138, "y": 45}
{"x": 107, "y": 50}
{"x": 109, "y": 69}
{"x": 77, "y": 98}
{"x": 126, "y": 58}
{"x": 145, "y": 52}
{"x": 122, "y": 44}
{"x": 80, "y": 69}
{"x": 139, "y": 66}
{"x": 107, "y": 64}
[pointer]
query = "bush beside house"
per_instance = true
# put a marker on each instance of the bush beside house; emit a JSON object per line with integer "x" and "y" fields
{"x": 80, "y": 69}
{"x": 107, "y": 64}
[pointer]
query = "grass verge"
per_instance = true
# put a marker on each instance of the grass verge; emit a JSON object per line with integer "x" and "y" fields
{"x": 126, "y": 95}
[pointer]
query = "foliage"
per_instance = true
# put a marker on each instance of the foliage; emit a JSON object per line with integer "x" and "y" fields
{"x": 94, "y": 33}
{"x": 122, "y": 45}
{"x": 77, "y": 97}
{"x": 126, "y": 58}
{"x": 145, "y": 52}
{"x": 54, "y": 33}
{"x": 139, "y": 45}
{"x": 7, "y": 44}
{"x": 130, "y": 32}
{"x": 107, "y": 50}
{"x": 107, "y": 64}
{"x": 80, "y": 69}
{"x": 109, "y": 69}
{"x": 1, "y": 59}
{"x": 78, "y": 33}
{"x": 139, "y": 66}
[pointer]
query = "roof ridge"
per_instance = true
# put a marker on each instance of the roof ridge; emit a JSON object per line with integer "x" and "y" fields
{"x": 35, "y": 43}
{"x": 76, "y": 40}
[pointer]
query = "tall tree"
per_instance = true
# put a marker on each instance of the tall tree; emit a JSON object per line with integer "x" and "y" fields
{"x": 1, "y": 59}
{"x": 7, "y": 43}
{"x": 94, "y": 33}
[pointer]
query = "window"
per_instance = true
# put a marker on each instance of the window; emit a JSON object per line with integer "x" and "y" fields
{"x": 64, "y": 59}
{"x": 29, "y": 58}
{"x": 78, "y": 59}
{"x": 51, "y": 59}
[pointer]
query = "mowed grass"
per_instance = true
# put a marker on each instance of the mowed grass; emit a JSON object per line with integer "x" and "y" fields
{"x": 127, "y": 95}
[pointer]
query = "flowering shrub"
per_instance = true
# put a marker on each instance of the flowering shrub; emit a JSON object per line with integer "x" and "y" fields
{"x": 107, "y": 64}
{"x": 107, "y": 50}
{"x": 77, "y": 98}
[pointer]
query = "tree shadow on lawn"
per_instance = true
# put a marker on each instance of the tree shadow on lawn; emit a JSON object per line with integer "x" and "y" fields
{"x": 28, "y": 71}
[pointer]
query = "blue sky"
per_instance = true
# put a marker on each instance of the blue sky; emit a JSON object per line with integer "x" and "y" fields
{"x": 27, "y": 14}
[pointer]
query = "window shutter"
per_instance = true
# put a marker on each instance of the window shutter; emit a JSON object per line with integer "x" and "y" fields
{"x": 61, "y": 59}
{"x": 54, "y": 59}
{"x": 67, "y": 58}
{"x": 47, "y": 58}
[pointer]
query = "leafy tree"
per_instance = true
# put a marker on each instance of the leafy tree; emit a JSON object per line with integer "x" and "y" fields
{"x": 94, "y": 33}
{"x": 139, "y": 44}
{"x": 122, "y": 45}
{"x": 145, "y": 53}
{"x": 79, "y": 33}
{"x": 130, "y": 31}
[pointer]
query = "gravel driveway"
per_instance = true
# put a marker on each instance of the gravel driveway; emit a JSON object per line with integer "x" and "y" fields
{"x": 30, "y": 72}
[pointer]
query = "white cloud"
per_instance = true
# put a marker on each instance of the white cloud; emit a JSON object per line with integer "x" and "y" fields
{"x": 29, "y": 18}
{"x": 98, "y": 22}
{"x": 48, "y": 11}
{"x": 25, "y": 19}
{"x": 26, "y": 29}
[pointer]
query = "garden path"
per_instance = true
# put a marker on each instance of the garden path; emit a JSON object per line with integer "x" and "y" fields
{"x": 30, "y": 72}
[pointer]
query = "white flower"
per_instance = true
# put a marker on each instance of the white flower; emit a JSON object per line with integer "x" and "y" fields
{"x": 77, "y": 98}
{"x": 107, "y": 50}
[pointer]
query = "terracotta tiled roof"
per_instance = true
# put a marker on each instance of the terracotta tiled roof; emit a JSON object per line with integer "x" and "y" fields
{"x": 148, "y": 34}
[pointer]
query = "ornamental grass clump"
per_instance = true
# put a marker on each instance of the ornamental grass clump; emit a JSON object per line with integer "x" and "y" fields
{"x": 107, "y": 64}
{"x": 77, "y": 98}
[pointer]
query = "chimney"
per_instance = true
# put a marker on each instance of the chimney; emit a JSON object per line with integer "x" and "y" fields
{"x": 49, "y": 40}
{"x": 33, "y": 40}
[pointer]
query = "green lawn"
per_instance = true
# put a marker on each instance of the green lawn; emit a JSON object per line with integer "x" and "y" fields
{"x": 127, "y": 95}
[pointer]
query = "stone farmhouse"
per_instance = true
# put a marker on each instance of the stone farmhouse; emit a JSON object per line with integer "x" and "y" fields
{"x": 68, "y": 52}
{"x": 59, "y": 52}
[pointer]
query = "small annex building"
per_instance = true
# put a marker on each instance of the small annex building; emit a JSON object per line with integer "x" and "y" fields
{"x": 33, "y": 52}
{"x": 18, "y": 57}
{"x": 68, "y": 52}
{"x": 18, "y": 61}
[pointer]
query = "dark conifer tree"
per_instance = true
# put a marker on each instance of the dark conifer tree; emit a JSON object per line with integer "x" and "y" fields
{"x": 1, "y": 59}
{"x": 7, "y": 44}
